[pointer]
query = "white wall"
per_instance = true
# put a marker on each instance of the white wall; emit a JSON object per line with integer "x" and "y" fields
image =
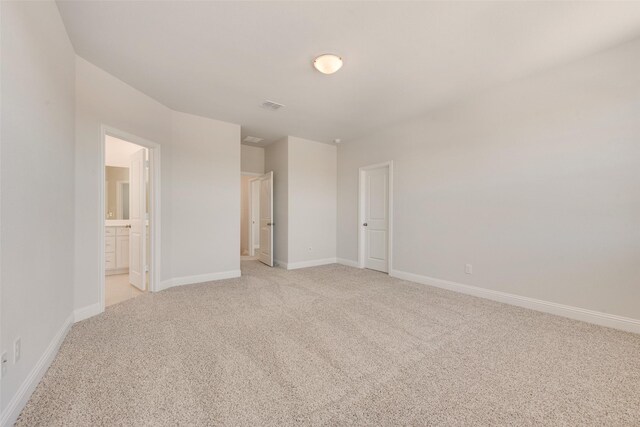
{"x": 252, "y": 159}
{"x": 304, "y": 201}
{"x": 536, "y": 184}
{"x": 200, "y": 176}
{"x": 277, "y": 160}
{"x": 312, "y": 201}
{"x": 204, "y": 197}
{"x": 37, "y": 156}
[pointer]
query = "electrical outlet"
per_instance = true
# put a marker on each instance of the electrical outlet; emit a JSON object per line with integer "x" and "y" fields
{"x": 468, "y": 268}
{"x": 309, "y": 249}
{"x": 5, "y": 364}
{"x": 17, "y": 350}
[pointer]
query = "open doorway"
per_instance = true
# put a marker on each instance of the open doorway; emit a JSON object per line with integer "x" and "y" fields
{"x": 256, "y": 217}
{"x": 249, "y": 215}
{"x": 131, "y": 215}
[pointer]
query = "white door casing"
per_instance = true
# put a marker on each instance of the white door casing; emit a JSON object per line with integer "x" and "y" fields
{"x": 375, "y": 218}
{"x": 138, "y": 219}
{"x": 265, "y": 253}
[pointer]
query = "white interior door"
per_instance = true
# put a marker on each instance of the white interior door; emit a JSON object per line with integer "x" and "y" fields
{"x": 265, "y": 253}
{"x": 255, "y": 216}
{"x": 376, "y": 219}
{"x": 138, "y": 219}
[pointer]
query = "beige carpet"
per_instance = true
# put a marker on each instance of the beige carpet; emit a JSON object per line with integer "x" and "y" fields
{"x": 335, "y": 345}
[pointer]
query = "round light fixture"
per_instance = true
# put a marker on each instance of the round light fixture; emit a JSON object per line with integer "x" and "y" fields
{"x": 328, "y": 63}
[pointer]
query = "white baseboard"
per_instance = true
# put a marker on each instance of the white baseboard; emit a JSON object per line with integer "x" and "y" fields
{"x": 348, "y": 262}
{"x": 86, "y": 312}
{"x": 116, "y": 271}
{"x": 311, "y": 263}
{"x": 200, "y": 278}
{"x": 596, "y": 317}
{"x": 20, "y": 399}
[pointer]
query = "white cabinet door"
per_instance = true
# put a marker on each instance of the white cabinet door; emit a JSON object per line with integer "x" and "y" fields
{"x": 122, "y": 252}
{"x": 109, "y": 244}
{"x": 110, "y": 261}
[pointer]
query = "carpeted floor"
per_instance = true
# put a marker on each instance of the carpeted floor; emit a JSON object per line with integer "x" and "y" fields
{"x": 335, "y": 345}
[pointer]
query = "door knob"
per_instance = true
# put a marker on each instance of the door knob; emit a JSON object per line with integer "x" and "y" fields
{"x": 365, "y": 224}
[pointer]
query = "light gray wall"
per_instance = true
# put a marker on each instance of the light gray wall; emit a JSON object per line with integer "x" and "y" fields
{"x": 536, "y": 184}
{"x": 204, "y": 196}
{"x": 252, "y": 159}
{"x": 277, "y": 160}
{"x": 37, "y": 160}
{"x": 312, "y": 200}
{"x": 200, "y": 174}
{"x": 304, "y": 199}
{"x": 102, "y": 99}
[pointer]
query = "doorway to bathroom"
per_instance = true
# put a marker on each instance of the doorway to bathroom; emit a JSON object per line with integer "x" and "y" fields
{"x": 130, "y": 230}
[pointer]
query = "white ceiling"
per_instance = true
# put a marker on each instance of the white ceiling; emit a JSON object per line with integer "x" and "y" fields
{"x": 223, "y": 59}
{"x": 117, "y": 152}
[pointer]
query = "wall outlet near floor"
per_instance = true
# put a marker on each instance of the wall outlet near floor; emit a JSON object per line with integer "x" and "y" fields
{"x": 17, "y": 349}
{"x": 309, "y": 248}
{"x": 468, "y": 268}
{"x": 5, "y": 363}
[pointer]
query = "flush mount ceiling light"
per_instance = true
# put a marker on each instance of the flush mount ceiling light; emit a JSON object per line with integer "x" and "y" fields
{"x": 328, "y": 63}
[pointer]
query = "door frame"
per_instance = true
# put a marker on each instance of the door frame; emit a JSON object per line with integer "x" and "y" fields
{"x": 361, "y": 201}
{"x": 255, "y": 177}
{"x": 154, "y": 206}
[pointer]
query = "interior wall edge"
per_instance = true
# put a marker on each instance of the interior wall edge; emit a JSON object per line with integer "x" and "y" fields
{"x": 348, "y": 262}
{"x": 311, "y": 263}
{"x": 91, "y": 310}
{"x": 200, "y": 278}
{"x": 28, "y": 386}
{"x": 626, "y": 324}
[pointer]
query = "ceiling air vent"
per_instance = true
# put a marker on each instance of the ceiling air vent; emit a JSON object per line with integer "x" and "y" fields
{"x": 270, "y": 105}
{"x": 253, "y": 139}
